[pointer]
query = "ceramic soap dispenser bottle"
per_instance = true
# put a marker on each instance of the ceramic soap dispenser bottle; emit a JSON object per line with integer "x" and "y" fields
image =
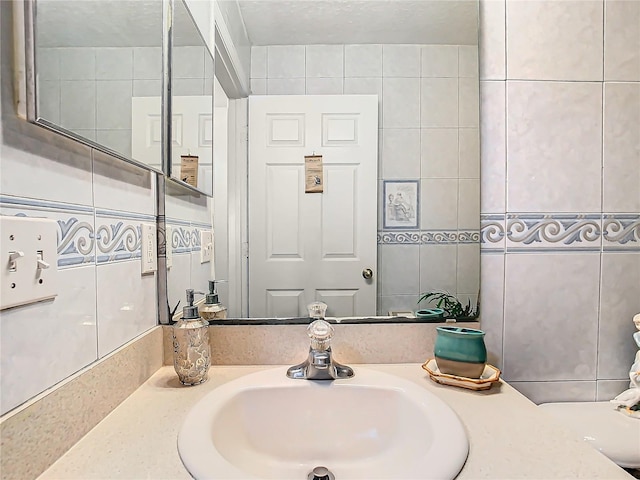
{"x": 212, "y": 308}
{"x": 191, "y": 350}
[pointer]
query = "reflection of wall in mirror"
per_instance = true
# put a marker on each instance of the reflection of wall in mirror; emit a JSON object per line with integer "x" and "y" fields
{"x": 429, "y": 133}
{"x": 91, "y": 90}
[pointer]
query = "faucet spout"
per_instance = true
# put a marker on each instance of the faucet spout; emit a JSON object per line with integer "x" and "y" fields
{"x": 320, "y": 364}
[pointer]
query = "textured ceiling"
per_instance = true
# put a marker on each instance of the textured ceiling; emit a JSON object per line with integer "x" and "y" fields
{"x": 115, "y": 23}
{"x": 291, "y": 22}
{"x": 119, "y": 23}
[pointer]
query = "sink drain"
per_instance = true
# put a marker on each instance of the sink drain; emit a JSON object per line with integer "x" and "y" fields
{"x": 321, "y": 473}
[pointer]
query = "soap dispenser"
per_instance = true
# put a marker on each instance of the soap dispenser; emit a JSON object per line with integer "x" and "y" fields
{"x": 212, "y": 308}
{"x": 191, "y": 350}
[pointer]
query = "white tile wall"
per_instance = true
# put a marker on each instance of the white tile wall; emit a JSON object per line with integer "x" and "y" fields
{"x": 469, "y": 153}
{"x": 399, "y": 269}
{"x": 439, "y": 61}
{"x": 621, "y": 149}
{"x": 401, "y": 153}
{"x": 324, "y": 86}
{"x": 77, "y": 63}
{"x": 546, "y": 392}
{"x": 608, "y": 389}
{"x": 113, "y": 104}
{"x": 286, "y": 61}
{"x": 188, "y": 62}
{"x": 439, "y": 155}
{"x": 400, "y": 105}
{"x": 551, "y": 40}
{"x": 147, "y": 63}
{"x": 258, "y": 62}
{"x": 493, "y": 146}
{"x": 622, "y": 40}
{"x": 45, "y": 174}
{"x": 401, "y": 61}
{"x": 439, "y": 204}
{"x": 122, "y": 187}
{"x": 619, "y": 302}
{"x": 43, "y": 165}
{"x": 554, "y": 138}
{"x": 439, "y": 102}
{"x": 126, "y": 305}
{"x": 551, "y": 316}
{"x": 288, "y": 86}
{"x": 362, "y": 61}
{"x": 439, "y": 267}
{"x": 114, "y": 63}
{"x": 324, "y": 61}
{"x": 569, "y": 133}
{"x": 33, "y": 336}
{"x": 78, "y": 104}
{"x": 492, "y": 305}
{"x": 492, "y": 39}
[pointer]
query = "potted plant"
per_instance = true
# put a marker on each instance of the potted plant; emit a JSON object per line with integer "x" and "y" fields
{"x": 450, "y": 306}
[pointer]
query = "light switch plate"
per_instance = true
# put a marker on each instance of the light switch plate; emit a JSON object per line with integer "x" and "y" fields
{"x": 206, "y": 246}
{"x": 148, "y": 248}
{"x": 29, "y": 264}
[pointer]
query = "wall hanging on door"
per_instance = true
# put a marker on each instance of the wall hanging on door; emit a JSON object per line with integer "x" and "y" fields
{"x": 189, "y": 169}
{"x": 313, "y": 177}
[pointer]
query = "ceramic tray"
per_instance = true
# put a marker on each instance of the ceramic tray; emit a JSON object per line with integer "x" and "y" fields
{"x": 490, "y": 376}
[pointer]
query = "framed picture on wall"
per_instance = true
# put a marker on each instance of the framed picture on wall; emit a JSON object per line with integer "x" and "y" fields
{"x": 401, "y": 204}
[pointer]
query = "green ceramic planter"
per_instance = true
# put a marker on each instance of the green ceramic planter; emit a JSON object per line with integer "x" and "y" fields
{"x": 460, "y": 351}
{"x": 431, "y": 314}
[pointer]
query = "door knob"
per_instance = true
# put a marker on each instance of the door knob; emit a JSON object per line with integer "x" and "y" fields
{"x": 367, "y": 273}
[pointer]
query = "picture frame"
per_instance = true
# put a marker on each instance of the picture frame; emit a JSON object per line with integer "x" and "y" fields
{"x": 401, "y": 205}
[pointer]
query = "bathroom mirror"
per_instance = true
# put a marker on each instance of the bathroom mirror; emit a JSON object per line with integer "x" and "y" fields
{"x": 192, "y": 77}
{"x": 421, "y": 59}
{"x": 98, "y": 74}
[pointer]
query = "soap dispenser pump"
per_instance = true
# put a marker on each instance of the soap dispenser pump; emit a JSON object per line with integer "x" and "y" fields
{"x": 212, "y": 308}
{"x": 191, "y": 349}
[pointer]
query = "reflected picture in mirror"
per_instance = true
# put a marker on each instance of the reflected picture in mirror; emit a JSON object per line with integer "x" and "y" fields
{"x": 94, "y": 61}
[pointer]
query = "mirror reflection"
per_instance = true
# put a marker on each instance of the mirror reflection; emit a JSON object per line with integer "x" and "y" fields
{"x": 192, "y": 78}
{"x": 421, "y": 60}
{"x": 94, "y": 64}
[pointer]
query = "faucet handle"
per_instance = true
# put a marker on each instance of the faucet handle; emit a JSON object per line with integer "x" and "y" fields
{"x": 320, "y": 333}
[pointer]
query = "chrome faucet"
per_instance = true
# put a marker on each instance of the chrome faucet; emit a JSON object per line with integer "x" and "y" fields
{"x": 320, "y": 364}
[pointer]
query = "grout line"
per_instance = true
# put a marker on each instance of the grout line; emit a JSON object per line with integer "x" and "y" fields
{"x": 505, "y": 163}
{"x": 601, "y": 263}
{"x": 95, "y": 254}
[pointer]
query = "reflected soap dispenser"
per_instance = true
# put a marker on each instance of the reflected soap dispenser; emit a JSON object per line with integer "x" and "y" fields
{"x": 212, "y": 308}
{"x": 191, "y": 349}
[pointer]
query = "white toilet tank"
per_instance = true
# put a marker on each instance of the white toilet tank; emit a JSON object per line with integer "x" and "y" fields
{"x": 614, "y": 434}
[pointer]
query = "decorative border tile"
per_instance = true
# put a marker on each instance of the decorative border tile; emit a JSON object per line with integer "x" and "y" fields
{"x": 492, "y": 232}
{"x": 117, "y": 241}
{"x": 575, "y": 232}
{"x": 75, "y": 236}
{"x": 85, "y": 235}
{"x": 76, "y": 241}
{"x": 429, "y": 237}
{"x": 621, "y": 232}
{"x": 185, "y": 235}
{"x": 559, "y": 232}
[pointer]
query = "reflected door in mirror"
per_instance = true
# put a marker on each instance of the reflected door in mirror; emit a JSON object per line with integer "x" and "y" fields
{"x": 303, "y": 246}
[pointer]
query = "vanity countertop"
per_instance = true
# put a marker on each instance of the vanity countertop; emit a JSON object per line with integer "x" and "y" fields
{"x": 509, "y": 436}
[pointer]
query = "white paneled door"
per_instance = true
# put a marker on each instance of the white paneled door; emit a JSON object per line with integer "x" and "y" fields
{"x": 305, "y": 247}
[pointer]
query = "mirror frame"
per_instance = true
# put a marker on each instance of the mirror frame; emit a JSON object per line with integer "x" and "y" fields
{"x": 31, "y": 96}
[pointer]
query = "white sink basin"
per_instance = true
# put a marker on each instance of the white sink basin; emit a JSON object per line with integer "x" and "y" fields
{"x": 372, "y": 426}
